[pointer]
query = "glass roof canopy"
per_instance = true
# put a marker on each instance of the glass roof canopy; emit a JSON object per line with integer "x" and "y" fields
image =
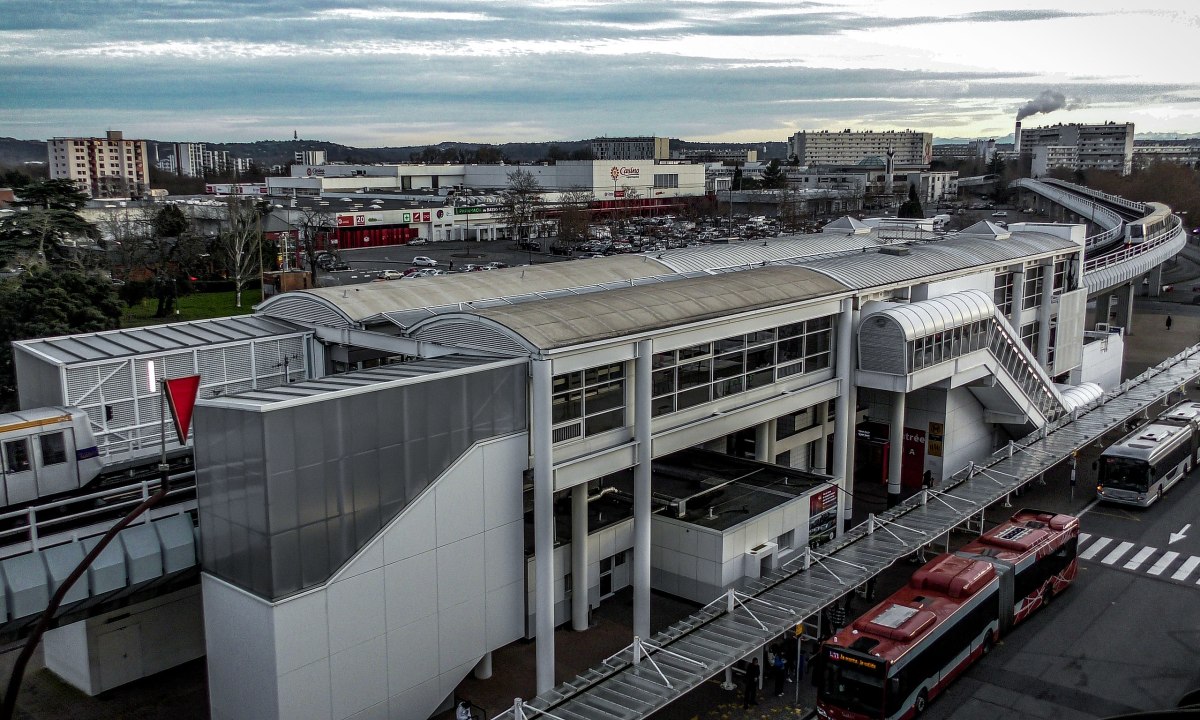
{"x": 711, "y": 640}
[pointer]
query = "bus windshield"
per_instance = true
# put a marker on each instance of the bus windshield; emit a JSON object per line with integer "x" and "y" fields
{"x": 1124, "y": 473}
{"x": 852, "y": 690}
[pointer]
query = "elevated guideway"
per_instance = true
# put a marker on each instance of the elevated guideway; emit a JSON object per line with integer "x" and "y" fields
{"x": 1157, "y": 234}
{"x": 40, "y": 545}
{"x": 1112, "y": 224}
{"x": 647, "y": 676}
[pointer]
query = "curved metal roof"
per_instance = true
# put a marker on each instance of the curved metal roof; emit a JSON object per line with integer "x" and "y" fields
{"x": 1076, "y": 396}
{"x": 955, "y": 253}
{"x": 567, "y": 321}
{"x": 359, "y": 303}
{"x": 750, "y": 254}
{"x": 927, "y": 317}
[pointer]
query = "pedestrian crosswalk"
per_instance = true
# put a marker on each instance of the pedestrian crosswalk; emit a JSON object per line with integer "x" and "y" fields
{"x": 1166, "y": 564}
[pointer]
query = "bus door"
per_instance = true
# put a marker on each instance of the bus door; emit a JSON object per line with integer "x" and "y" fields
{"x": 1008, "y": 593}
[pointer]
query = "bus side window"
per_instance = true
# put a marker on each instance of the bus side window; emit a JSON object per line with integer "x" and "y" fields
{"x": 16, "y": 455}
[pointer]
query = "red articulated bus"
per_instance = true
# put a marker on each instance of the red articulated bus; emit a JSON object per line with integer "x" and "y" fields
{"x": 893, "y": 660}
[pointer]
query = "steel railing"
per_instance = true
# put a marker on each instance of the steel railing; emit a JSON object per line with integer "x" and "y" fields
{"x": 1131, "y": 205}
{"x": 1153, "y": 242}
{"x": 81, "y": 516}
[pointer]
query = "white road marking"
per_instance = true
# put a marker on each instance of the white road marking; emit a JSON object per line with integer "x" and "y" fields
{"x": 1162, "y": 563}
{"x": 1096, "y": 547}
{"x": 1186, "y": 569}
{"x": 1083, "y": 537}
{"x": 1140, "y": 558}
{"x": 1117, "y": 552}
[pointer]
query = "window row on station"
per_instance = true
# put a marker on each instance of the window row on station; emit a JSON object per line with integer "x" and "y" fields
{"x": 592, "y": 401}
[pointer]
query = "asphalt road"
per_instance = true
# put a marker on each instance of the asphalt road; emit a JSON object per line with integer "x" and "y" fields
{"x": 1122, "y": 639}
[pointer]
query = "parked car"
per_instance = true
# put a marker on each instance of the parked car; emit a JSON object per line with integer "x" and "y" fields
{"x": 418, "y": 241}
{"x": 391, "y": 275}
{"x": 494, "y": 265}
{"x": 1000, "y": 213}
{"x": 471, "y": 267}
{"x": 422, "y": 261}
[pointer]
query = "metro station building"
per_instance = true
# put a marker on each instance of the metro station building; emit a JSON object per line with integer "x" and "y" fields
{"x": 475, "y": 459}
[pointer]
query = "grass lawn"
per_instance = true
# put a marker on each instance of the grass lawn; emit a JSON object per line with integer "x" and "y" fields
{"x": 196, "y": 306}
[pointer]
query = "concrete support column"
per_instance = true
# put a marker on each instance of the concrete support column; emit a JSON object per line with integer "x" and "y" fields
{"x": 1043, "y": 344}
{"x": 641, "y": 490}
{"x": 1124, "y": 308}
{"x": 579, "y": 557}
{"x": 820, "y": 461}
{"x": 896, "y": 449}
{"x": 844, "y": 410}
{"x": 1018, "y": 299}
{"x": 483, "y": 669}
{"x": 762, "y": 442}
{"x": 543, "y": 522}
{"x": 1156, "y": 281}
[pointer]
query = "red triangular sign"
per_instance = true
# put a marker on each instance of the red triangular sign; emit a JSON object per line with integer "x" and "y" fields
{"x": 181, "y": 399}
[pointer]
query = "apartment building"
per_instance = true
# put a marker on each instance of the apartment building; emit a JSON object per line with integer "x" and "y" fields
{"x": 110, "y": 166}
{"x": 849, "y": 148}
{"x": 1108, "y": 146}
{"x": 631, "y": 148}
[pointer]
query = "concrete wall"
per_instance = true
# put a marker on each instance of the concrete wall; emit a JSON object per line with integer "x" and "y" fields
{"x": 968, "y": 436}
{"x": 111, "y": 649}
{"x": 699, "y": 564}
{"x": 607, "y": 542}
{"x": 1102, "y": 360}
{"x": 399, "y": 625}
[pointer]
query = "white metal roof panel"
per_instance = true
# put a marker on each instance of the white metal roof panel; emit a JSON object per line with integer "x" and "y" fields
{"x": 924, "y": 260}
{"x": 111, "y": 344}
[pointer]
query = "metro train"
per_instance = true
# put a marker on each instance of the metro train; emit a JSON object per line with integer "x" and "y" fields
{"x": 1138, "y": 231}
{"x": 46, "y": 451}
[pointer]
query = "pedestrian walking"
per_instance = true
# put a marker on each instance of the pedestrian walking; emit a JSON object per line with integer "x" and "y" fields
{"x": 750, "y": 694}
{"x": 1168, "y": 323}
{"x": 780, "y": 670}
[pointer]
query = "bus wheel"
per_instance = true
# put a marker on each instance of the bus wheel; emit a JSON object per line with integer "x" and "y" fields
{"x": 920, "y": 705}
{"x": 988, "y": 643}
{"x": 1048, "y": 592}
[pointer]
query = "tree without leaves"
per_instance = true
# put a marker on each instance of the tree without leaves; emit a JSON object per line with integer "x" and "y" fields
{"x": 520, "y": 202}
{"x": 573, "y": 217}
{"x": 240, "y": 244}
{"x": 311, "y": 225}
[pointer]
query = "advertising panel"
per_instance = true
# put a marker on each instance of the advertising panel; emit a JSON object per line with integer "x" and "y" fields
{"x": 822, "y": 515}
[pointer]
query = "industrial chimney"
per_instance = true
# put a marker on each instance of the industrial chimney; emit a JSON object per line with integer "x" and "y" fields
{"x": 1017, "y": 140}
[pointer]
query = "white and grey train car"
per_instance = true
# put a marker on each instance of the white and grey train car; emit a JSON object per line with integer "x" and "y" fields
{"x": 46, "y": 451}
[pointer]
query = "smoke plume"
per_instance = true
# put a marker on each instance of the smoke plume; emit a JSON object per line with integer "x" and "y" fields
{"x": 1047, "y": 101}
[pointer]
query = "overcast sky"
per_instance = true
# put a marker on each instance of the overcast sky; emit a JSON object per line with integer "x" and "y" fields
{"x": 415, "y": 72}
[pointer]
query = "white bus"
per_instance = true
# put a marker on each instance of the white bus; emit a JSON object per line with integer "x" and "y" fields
{"x": 1150, "y": 460}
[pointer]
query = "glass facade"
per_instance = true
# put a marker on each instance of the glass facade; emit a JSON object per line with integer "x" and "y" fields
{"x": 943, "y": 346}
{"x": 710, "y": 371}
{"x": 1003, "y": 293}
{"x": 588, "y": 402}
{"x": 287, "y": 495}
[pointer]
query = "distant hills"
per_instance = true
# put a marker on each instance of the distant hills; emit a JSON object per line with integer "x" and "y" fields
{"x": 279, "y": 152}
{"x": 15, "y": 152}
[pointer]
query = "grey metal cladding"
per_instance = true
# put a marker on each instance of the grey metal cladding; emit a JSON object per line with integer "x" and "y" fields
{"x": 289, "y": 493}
